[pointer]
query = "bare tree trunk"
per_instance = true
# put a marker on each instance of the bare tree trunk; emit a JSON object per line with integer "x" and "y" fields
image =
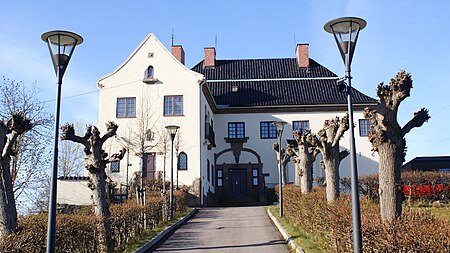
{"x": 389, "y": 177}
{"x": 16, "y": 125}
{"x": 305, "y": 170}
{"x": 101, "y": 208}
{"x": 284, "y": 159}
{"x": 8, "y": 213}
{"x": 298, "y": 174}
{"x": 332, "y": 179}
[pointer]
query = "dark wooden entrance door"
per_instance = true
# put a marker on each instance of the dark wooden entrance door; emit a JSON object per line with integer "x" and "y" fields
{"x": 238, "y": 186}
{"x": 149, "y": 165}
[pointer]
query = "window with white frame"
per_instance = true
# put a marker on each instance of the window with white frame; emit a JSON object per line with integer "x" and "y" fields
{"x": 300, "y": 126}
{"x": 267, "y": 130}
{"x": 364, "y": 127}
{"x": 236, "y": 130}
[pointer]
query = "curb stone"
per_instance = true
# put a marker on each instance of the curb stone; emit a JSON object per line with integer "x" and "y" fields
{"x": 161, "y": 236}
{"x": 288, "y": 238}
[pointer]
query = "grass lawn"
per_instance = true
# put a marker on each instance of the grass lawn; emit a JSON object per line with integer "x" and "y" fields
{"x": 308, "y": 242}
{"x": 442, "y": 211}
{"x": 149, "y": 234}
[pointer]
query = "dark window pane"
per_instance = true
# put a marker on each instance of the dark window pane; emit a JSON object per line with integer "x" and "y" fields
{"x": 115, "y": 166}
{"x": 300, "y": 126}
{"x": 182, "y": 161}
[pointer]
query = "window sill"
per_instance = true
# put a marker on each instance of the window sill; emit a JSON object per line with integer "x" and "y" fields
{"x": 125, "y": 117}
{"x": 150, "y": 80}
{"x": 172, "y": 115}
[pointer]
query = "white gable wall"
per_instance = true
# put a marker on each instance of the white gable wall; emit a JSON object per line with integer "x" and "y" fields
{"x": 173, "y": 79}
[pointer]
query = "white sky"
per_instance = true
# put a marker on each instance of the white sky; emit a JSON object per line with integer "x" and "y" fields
{"x": 411, "y": 35}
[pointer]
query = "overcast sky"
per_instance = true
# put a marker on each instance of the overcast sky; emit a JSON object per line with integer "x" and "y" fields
{"x": 411, "y": 35}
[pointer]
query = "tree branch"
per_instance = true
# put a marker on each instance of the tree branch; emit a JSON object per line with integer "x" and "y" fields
{"x": 117, "y": 156}
{"x": 419, "y": 118}
{"x": 16, "y": 125}
{"x": 111, "y": 131}
{"x": 343, "y": 154}
{"x": 68, "y": 133}
{"x": 343, "y": 127}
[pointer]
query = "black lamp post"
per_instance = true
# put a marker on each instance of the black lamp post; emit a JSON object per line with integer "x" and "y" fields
{"x": 345, "y": 31}
{"x": 280, "y": 127}
{"x": 61, "y": 45}
{"x": 172, "y": 129}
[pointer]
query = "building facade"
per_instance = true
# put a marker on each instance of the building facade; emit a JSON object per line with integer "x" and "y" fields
{"x": 225, "y": 110}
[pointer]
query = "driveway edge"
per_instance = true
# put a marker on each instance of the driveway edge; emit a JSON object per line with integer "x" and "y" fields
{"x": 288, "y": 238}
{"x": 161, "y": 236}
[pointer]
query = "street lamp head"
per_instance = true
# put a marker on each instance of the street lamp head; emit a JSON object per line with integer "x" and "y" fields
{"x": 61, "y": 45}
{"x": 280, "y": 126}
{"x": 345, "y": 31}
{"x": 172, "y": 129}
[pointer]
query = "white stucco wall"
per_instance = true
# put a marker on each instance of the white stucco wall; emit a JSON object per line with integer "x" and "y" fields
{"x": 173, "y": 79}
{"x": 367, "y": 163}
{"x": 207, "y": 116}
{"x": 73, "y": 192}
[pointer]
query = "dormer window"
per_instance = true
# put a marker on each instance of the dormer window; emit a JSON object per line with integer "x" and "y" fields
{"x": 149, "y": 75}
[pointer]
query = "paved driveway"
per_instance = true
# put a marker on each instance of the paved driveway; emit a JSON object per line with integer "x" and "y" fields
{"x": 226, "y": 229}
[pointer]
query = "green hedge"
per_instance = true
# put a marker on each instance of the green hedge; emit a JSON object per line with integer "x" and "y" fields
{"x": 417, "y": 231}
{"x": 77, "y": 232}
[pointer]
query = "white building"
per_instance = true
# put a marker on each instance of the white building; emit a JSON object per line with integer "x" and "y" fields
{"x": 224, "y": 109}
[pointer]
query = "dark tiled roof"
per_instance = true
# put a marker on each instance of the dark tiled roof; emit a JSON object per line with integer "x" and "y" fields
{"x": 274, "y": 82}
{"x": 262, "y": 69}
{"x": 73, "y": 178}
{"x": 282, "y": 92}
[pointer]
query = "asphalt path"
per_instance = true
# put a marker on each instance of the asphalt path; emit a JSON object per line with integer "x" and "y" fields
{"x": 226, "y": 229}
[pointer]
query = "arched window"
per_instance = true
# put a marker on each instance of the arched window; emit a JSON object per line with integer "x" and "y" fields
{"x": 149, "y": 73}
{"x": 182, "y": 161}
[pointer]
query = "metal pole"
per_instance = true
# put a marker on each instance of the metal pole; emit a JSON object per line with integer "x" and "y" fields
{"x": 128, "y": 164}
{"x": 280, "y": 185}
{"x": 356, "y": 213}
{"x": 51, "y": 230}
{"x": 171, "y": 179}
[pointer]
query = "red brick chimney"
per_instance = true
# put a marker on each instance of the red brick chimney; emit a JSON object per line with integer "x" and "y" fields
{"x": 178, "y": 52}
{"x": 210, "y": 57}
{"x": 302, "y": 55}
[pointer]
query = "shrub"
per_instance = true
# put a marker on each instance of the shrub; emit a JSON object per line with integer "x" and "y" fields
{"x": 417, "y": 185}
{"x": 78, "y": 232}
{"x": 416, "y": 231}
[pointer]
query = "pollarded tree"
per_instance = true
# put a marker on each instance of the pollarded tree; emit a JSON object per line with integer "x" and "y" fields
{"x": 304, "y": 159}
{"x": 327, "y": 142}
{"x": 16, "y": 126}
{"x": 96, "y": 160}
{"x": 32, "y": 153}
{"x": 388, "y": 139}
{"x": 285, "y": 158}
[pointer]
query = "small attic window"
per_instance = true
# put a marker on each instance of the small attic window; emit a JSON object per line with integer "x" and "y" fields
{"x": 149, "y": 72}
{"x": 149, "y": 75}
